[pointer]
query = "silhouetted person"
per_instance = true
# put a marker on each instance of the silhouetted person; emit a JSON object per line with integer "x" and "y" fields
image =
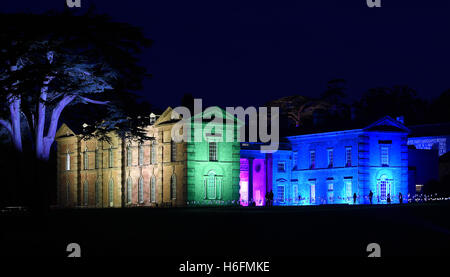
{"x": 370, "y": 197}
{"x": 267, "y": 198}
{"x": 400, "y": 197}
{"x": 389, "y": 198}
{"x": 271, "y": 198}
{"x": 354, "y": 198}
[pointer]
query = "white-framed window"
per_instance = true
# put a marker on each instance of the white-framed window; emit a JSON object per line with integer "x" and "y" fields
{"x": 141, "y": 154}
{"x": 153, "y": 153}
{"x": 129, "y": 156}
{"x": 384, "y": 187}
{"x": 173, "y": 186}
{"x": 348, "y": 189}
{"x": 312, "y": 159}
{"x": 281, "y": 166}
{"x": 280, "y": 193}
{"x": 348, "y": 156}
{"x": 86, "y": 159}
{"x": 330, "y": 157}
{"x": 384, "y": 151}
{"x": 213, "y": 151}
{"x": 294, "y": 159}
{"x": 173, "y": 151}
{"x": 129, "y": 190}
{"x": 153, "y": 189}
{"x": 295, "y": 194}
{"x": 141, "y": 190}
{"x": 86, "y": 193}
{"x": 330, "y": 186}
{"x": 111, "y": 192}
{"x": 67, "y": 161}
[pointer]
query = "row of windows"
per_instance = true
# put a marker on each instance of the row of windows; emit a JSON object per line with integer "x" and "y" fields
{"x": 173, "y": 190}
{"x": 384, "y": 157}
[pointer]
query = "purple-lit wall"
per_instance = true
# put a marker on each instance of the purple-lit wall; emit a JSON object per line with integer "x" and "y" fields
{"x": 258, "y": 181}
{"x": 243, "y": 184}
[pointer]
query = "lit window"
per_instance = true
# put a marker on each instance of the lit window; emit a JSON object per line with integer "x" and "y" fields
{"x": 98, "y": 191}
{"x": 330, "y": 186}
{"x": 67, "y": 161}
{"x": 213, "y": 151}
{"x": 385, "y": 155}
{"x": 281, "y": 167}
{"x": 348, "y": 189}
{"x": 348, "y": 156}
{"x": 280, "y": 193}
{"x": 153, "y": 152}
{"x": 141, "y": 190}
{"x": 330, "y": 157}
{"x": 312, "y": 159}
{"x": 173, "y": 187}
{"x": 129, "y": 190}
{"x": 294, "y": 159}
{"x": 153, "y": 189}
{"x": 384, "y": 187}
{"x": 312, "y": 187}
{"x": 173, "y": 151}
{"x": 210, "y": 185}
{"x": 141, "y": 155}
{"x": 419, "y": 188}
{"x": 129, "y": 157}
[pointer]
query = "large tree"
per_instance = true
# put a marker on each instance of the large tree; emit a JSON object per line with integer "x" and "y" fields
{"x": 61, "y": 60}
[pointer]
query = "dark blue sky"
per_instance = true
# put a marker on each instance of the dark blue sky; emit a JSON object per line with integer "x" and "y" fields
{"x": 231, "y": 53}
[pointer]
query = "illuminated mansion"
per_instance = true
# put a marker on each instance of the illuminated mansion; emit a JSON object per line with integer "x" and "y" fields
{"x": 308, "y": 169}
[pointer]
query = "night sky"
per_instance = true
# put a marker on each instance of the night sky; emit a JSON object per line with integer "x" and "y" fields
{"x": 231, "y": 54}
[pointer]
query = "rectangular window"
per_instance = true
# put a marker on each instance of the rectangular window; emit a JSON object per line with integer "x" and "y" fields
{"x": 295, "y": 195}
{"x": 348, "y": 156}
{"x": 281, "y": 167}
{"x": 213, "y": 151}
{"x": 97, "y": 163}
{"x": 153, "y": 153}
{"x": 86, "y": 160}
{"x": 312, "y": 187}
{"x": 141, "y": 155}
{"x": 384, "y": 155}
{"x": 330, "y": 186}
{"x": 330, "y": 157}
{"x": 67, "y": 161}
{"x": 294, "y": 159}
{"x": 111, "y": 157}
{"x": 129, "y": 157}
{"x": 312, "y": 159}
{"x": 348, "y": 189}
{"x": 280, "y": 194}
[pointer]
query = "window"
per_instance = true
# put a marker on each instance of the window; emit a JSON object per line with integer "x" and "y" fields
{"x": 213, "y": 151}
{"x": 348, "y": 156}
{"x": 348, "y": 189}
{"x": 419, "y": 188}
{"x": 281, "y": 166}
{"x": 312, "y": 159}
{"x": 330, "y": 186}
{"x": 295, "y": 195}
{"x": 280, "y": 193}
{"x": 173, "y": 151}
{"x": 129, "y": 157}
{"x": 86, "y": 193}
{"x": 173, "y": 187}
{"x": 67, "y": 161}
{"x": 153, "y": 153}
{"x": 384, "y": 187}
{"x": 153, "y": 189}
{"x": 141, "y": 155}
{"x": 111, "y": 192}
{"x": 294, "y": 159}
{"x": 67, "y": 191}
{"x": 97, "y": 157}
{"x": 86, "y": 159}
{"x": 129, "y": 190}
{"x": 98, "y": 191}
{"x": 111, "y": 157}
{"x": 141, "y": 190}
{"x": 384, "y": 155}
{"x": 210, "y": 185}
{"x": 312, "y": 188}
{"x": 330, "y": 157}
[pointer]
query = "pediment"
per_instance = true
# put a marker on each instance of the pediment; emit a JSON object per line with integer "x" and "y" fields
{"x": 387, "y": 123}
